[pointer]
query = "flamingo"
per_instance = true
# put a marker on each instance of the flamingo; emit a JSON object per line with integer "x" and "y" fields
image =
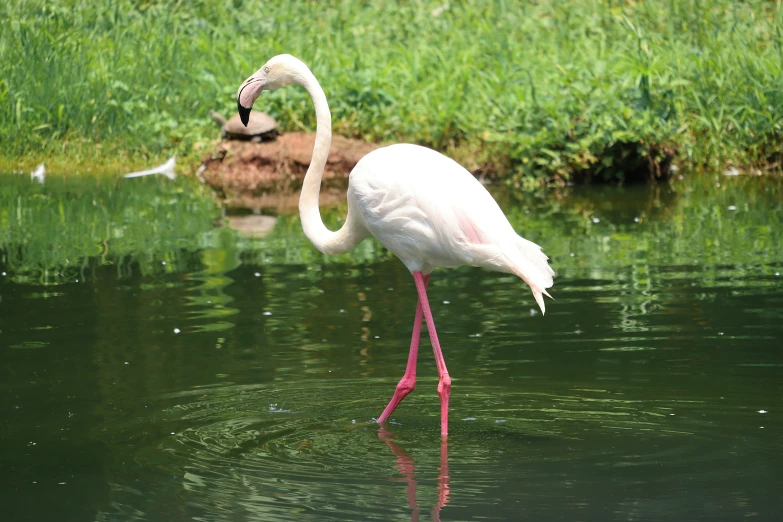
{"x": 424, "y": 207}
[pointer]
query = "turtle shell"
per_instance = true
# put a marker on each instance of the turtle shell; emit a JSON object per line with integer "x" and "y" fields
{"x": 259, "y": 125}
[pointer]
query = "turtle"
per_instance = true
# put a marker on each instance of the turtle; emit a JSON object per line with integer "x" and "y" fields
{"x": 261, "y": 127}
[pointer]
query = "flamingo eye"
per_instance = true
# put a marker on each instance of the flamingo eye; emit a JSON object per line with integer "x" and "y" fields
{"x": 266, "y": 68}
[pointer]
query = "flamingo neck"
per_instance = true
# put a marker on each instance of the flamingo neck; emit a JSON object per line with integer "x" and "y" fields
{"x": 321, "y": 237}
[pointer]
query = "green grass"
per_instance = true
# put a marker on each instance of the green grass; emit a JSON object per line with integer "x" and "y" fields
{"x": 547, "y": 90}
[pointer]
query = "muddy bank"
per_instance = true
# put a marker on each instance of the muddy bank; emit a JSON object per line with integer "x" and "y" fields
{"x": 270, "y": 173}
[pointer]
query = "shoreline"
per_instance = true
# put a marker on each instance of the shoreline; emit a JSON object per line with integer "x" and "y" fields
{"x": 250, "y": 175}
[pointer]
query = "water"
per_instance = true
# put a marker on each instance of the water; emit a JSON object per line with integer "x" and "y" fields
{"x": 154, "y": 366}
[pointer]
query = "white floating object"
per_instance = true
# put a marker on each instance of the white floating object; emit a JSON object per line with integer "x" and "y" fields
{"x": 177, "y": 330}
{"x": 596, "y": 220}
{"x": 732, "y": 207}
{"x": 167, "y": 169}
{"x": 762, "y": 411}
{"x": 39, "y": 174}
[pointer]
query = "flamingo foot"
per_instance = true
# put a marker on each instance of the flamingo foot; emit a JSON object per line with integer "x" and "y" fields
{"x": 404, "y": 387}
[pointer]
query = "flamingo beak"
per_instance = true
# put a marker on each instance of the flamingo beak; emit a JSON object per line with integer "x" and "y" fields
{"x": 248, "y": 93}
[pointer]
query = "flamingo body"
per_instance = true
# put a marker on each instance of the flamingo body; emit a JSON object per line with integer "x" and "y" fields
{"x": 430, "y": 212}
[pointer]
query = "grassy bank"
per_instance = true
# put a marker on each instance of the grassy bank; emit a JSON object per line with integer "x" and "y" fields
{"x": 535, "y": 90}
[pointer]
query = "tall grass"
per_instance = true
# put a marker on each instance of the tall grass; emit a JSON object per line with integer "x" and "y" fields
{"x": 538, "y": 90}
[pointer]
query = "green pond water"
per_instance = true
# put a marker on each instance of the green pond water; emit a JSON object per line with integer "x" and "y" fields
{"x": 157, "y": 366}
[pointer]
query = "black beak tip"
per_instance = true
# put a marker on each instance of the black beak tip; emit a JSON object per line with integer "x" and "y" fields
{"x": 244, "y": 113}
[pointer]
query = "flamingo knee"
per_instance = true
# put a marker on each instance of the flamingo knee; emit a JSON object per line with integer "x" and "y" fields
{"x": 444, "y": 386}
{"x": 405, "y": 386}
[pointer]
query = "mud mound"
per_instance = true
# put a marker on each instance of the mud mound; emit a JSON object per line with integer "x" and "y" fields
{"x": 247, "y": 174}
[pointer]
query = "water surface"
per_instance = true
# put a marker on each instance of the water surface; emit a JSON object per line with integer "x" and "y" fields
{"x": 157, "y": 366}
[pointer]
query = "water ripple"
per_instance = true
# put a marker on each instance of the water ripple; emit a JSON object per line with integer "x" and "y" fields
{"x": 270, "y": 451}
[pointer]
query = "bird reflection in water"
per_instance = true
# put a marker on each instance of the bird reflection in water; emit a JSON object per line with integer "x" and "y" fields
{"x": 407, "y": 467}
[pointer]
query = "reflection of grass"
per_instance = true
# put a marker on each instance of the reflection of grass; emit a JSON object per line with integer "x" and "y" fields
{"x": 535, "y": 89}
{"x": 54, "y": 231}
{"x": 287, "y": 244}
{"x": 51, "y": 232}
{"x": 706, "y": 222}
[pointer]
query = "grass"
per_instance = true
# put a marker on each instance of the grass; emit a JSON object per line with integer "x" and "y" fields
{"x": 533, "y": 91}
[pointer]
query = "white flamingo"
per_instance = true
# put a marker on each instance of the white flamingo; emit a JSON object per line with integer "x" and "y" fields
{"x": 424, "y": 207}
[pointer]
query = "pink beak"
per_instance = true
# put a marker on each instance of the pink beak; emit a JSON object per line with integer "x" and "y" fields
{"x": 248, "y": 93}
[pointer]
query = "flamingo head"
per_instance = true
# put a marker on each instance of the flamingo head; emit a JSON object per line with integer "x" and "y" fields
{"x": 276, "y": 73}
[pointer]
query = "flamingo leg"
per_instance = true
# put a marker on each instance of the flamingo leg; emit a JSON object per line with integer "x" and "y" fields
{"x": 408, "y": 381}
{"x": 444, "y": 383}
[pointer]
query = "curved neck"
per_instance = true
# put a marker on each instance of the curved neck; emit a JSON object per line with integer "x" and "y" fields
{"x": 321, "y": 237}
